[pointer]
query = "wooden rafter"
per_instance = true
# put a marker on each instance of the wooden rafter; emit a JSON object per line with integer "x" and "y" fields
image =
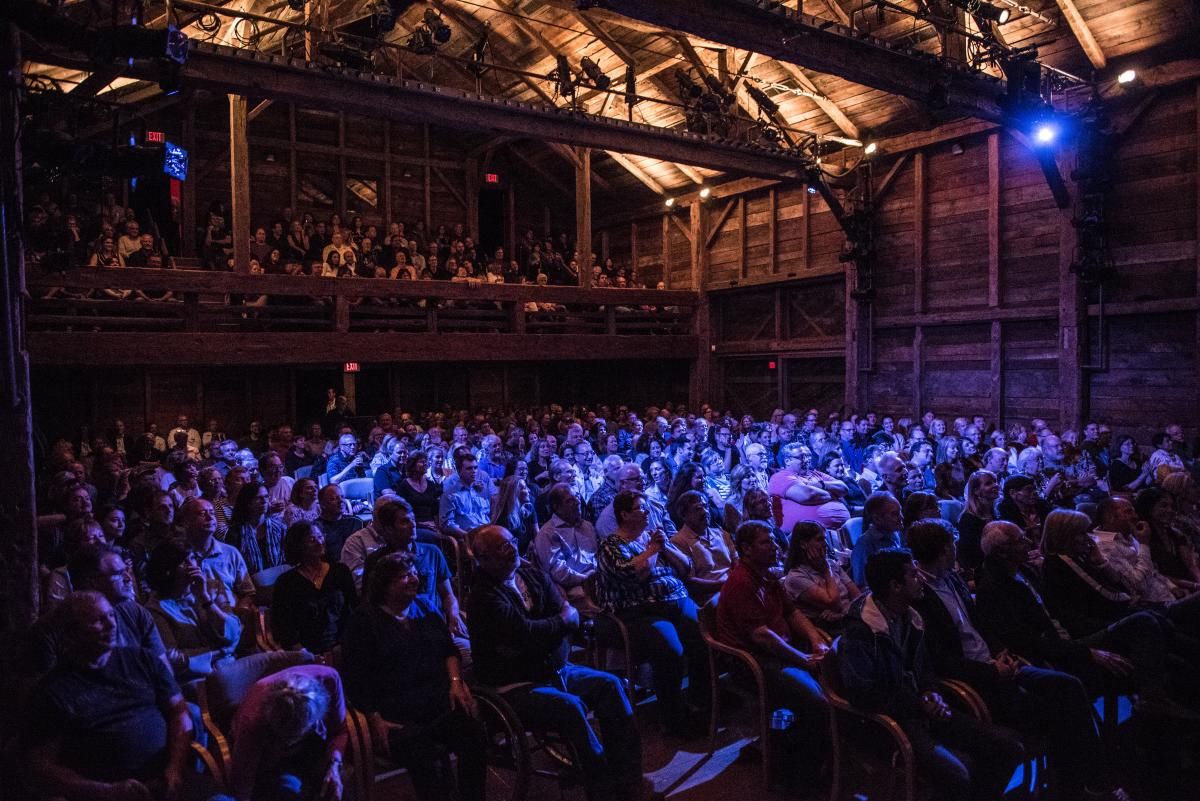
{"x": 1083, "y": 34}
{"x": 831, "y": 109}
{"x": 637, "y": 172}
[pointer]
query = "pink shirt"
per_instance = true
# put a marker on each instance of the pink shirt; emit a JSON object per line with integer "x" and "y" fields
{"x": 830, "y": 514}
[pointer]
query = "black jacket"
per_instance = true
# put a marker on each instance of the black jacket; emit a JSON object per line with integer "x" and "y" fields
{"x": 510, "y": 644}
{"x": 1012, "y": 615}
{"x": 878, "y": 674}
{"x": 1084, "y": 600}
{"x": 944, "y": 643}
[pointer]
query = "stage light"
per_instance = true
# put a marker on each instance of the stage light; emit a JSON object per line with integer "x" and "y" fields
{"x": 687, "y": 88}
{"x": 592, "y": 70}
{"x": 383, "y": 17}
{"x": 765, "y": 104}
{"x": 984, "y": 10}
{"x": 1127, "y": 77}
{"x": 669, "y": 203}
{"x": 1045, "y": 133}
{"x": 812, "y": 190}
{"x": 296, "y": 5}
{"x": 563, "y": 78}
{"x": 705, "y": 193}
{"x": 439, "y": 29}
{"x": 870, "y": 148}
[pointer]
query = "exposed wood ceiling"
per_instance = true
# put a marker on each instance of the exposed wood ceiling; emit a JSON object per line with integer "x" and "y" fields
{"x": 526, "y": 36}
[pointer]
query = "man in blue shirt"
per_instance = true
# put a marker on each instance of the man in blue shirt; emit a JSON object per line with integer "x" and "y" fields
{"x": 346, "y": 462}
{"x": 882, "y": 524}
{"x": 470, "y": 504}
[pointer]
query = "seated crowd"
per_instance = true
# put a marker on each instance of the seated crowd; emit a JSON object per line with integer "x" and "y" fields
{"x": 444, "y": 552}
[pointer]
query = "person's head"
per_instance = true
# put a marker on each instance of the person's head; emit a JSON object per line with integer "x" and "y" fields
{"x": 348, "y": 445}
{"x": 246, "y": 458}
{"x": 101, "y": 568}
{"x": 756, "y": 456}
{"x": 496, "y": 551}
{"x": 77, "y": 502}
{"x": 893, "y": 578}
{"x": 466, "y": 465}
{"x": 303, "y": 543}
{"x": 920, "y": 505}
{"x": 304, "y": 493}
{"x": 227, "y": 451}
{"x": 932, "y": 543}
{"x": 394, "y": 580}
{"x": 1064, "y": 532}
{"x": 1116, "y": 514}
{"x": 893, "y": 470}
{"x": 949, "y": 449}
{"x": 1021, "y": 490}
{"x": 160, "y": 509}
{"x": 922, "y": 454}
{"x": 112, "y": 520}
{"x": 1005, "y": 543}
{"x": 562, "y": 472}
{"x": 757, "y": 504}
{"x": 630, "y": 479}
{"x": 692, "y": 509}
{"x": 631, "y": 510}
{"x": 995, "y": 460}
{"x": 235, "y": 479}
{"x": 416, "y": 465}
{"x": 81, "y": 532}
{"x": 1126, "y": 447}
{"x": 198, "y": 521}
{"x": 270, "y": 467}
{"x": 1030, "y": 461}
{"x": 807, "y": 545}
{"x": 883, "y": 513}
{"x": 982, "y": 491}
{"x": 795, "y": 457}
{"x": 87, "y": 625}
{"x": 209, "y": 481}
{"x": 251, "y": 504}
{"x": 1155, "y": 506}
{"x": 167, "y": 569}
{"x": 564, "y": 502}
{"x": 395, "y": 521}
{"x": 756, "y": 545}
{"x": 294, "y": 706}
{"x": 1052, "y": 448}
{"x": 330, "y": 500}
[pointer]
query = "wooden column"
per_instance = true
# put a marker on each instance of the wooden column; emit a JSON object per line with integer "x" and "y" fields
{"x": 239, "y": 176}
{"x": 187, "y": 199}
{"x": 604, "y": 246}
{"x": 633, "y": 246}
{"x": 293, "y": 177}
{"x": 19, "y": 584}
{"x": 510, "y": 227}
{"x": 387, "y": 178}
{"x": 996, "y": 378}
{"x": 471, "y": 180}
{"x": 742, "y": 237}
{"x": 340, "y": 194}
{"x": 700, "y": 383}
{"x": 1072, "y": 320}
{"x": 427, "y": 181}
{"x": 772, "y": 213}
{"x": 853, "y": 331}
{"x": 805, "y": 228}
{"x": 666, "y": 250}
{"x": 583, "y": 213}
{"x": 918, "y": 370}
{"x": 993, "y": 220}
{"x": 918, "y": 234}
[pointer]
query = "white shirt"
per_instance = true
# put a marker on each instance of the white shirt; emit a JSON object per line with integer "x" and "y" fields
{"x": 1131, "y": 561}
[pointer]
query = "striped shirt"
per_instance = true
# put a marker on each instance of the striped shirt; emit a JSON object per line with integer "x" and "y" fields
{"x": 621, "y": 588}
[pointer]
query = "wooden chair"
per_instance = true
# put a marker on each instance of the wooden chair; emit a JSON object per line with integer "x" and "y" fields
{"x": 599, "y": 652}
{"x": 717, "y": 648}
{"x": 263, "y": 634}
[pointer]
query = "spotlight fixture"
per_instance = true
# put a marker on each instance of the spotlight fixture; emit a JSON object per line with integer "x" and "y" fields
{"x": 563, "y": 78}
{"x": 984, "y": 10}
{"x": 687, "y": 88}
{"x": 383, "y": 16}
{"x": 479, "y": 51}
{"x": 812, "y": 190}
{"x": 437, "y": 26}
{"x": 1127, "y": 77}
{"x": 705, "y": 193}
{"x": 631, "y": 98}
{"x": 1045, "y": 133}
{"x": 870, "y": 148}
{"x": 669, "y": 203}
{"x": 597, "y": 77}
{"x": 296, "y": 5}
{"x": 766, "y": 105}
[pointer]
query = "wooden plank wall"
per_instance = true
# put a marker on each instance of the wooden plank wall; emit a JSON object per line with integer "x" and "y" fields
{"x": 966, "y": 312}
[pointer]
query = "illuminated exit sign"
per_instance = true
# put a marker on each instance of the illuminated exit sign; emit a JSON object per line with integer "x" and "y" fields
{"x": 350, "y": 367}
{"x": 491, "y": 178}
{"x": 155, "y": 136}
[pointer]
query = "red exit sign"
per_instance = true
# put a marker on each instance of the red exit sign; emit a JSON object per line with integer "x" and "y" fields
{"x": 491, "y": 178}
{"x": 350, "y": 367}
{"x": 155, "y": 136}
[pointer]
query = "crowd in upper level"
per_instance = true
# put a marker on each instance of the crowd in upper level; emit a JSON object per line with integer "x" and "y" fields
{"x": 432, "y": 553}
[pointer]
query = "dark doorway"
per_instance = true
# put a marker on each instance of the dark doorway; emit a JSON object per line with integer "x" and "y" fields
{"x": 491, "y": 223}
{"x": 310, "y": 393}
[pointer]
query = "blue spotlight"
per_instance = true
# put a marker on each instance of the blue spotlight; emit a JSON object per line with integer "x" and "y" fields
{"x": 1045, "y": 133}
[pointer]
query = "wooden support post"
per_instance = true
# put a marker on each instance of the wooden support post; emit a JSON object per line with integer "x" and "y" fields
{"x": 341, "y": 314}
{"x": 993, "y": 220}
{"x": 853, "y": 331}
{"x": 772, "y": 223}
{"x": 187, "y": 199}
{"x": 1072, "y": 321}
{"x": 610, "y": 320}
{"x": 1196, "y": 357}
{"x": 918, "y": 236}
{"x": 350, "y": 389}
{"x": 239, "y": 176}
{"x": 742, "y": 237}
{"x": 19, "y": 584}
{"x": 918, "y": 369}
{"x": 583, "y": 213}
{"x": 996, "y": 382}
{"x": 510, "y": 221}
{"x": 700, "y": 385}
{"x": 387, "y": 175}
{"x": 604, "y": 246}
{"x": 340, "y": 194}
{"x": 633, "y": 246}
{"x": 427, "y": 180}
{"x": 666, "y": 250}
{"x": 806, "y": 212}
{"x": 472, "y": 197}
{"x": 293, "y": 177}
{"x": 516, "y": 317}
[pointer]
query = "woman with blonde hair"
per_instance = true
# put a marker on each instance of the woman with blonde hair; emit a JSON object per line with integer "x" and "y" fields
{"x": 950, "y": 473}
{"x": 514, "y": 510}
{"x": 982, "y": 491}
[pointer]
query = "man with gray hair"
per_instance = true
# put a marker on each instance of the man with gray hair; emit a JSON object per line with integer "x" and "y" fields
{"x": 604, "y": 494}
{"x": 630, "y": 479}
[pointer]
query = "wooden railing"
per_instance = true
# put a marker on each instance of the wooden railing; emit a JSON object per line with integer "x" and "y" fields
{"x": 455, "y": 319}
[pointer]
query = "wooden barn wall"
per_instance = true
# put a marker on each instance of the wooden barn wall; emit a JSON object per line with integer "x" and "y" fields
{"x": 972, "y": 258}
{"x": 69, "y": 397}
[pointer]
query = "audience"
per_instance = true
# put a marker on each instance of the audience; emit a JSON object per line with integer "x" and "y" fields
{"x": 312, "y": 602}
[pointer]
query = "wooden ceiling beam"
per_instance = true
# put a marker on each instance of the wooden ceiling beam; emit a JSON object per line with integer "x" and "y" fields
{"x": 831, "y": 109}
{"x": 822, "y": 46}
{"x": 637, "y": 172}
{"x": 1083, "y": 34}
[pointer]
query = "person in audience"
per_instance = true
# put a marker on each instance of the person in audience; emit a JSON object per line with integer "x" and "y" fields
{"x": 421, "y": 493}
{"x": 1172, "y": 552}
{"x": 921, "y": 505}
{"x": 885, "y": 668}
{"x": 390, "y": 472}
{"x": 660, "y": 474}
{"x": 605, "y": 492}
{"x": 756, "y": 462}
{"x": 982, "y": 491}
{"x": 641, "y": 581}
{"x": 347, "y": 461}
{"x": 514, "y": 511}
{"x": 335, "y": 524}
{"x": 566, "y": 545}
{"x": 109, "y": 721}
{"x": 950, "y": 472}
{"x": 815, "y": 582}
{"x": 708, "y": 548}
{"x": 883, "y": 523}
{"x": 755, "y": 614}
{"x": 403, "y": 672}
{"x": 469, "y": 504}
{"x": 1127, "y": 471}
{"x": 1124, "y": 541}
{"x": 523, "y": 630}
{"x": 226, "y": 577}
{"x": 1022, "y": 506}
{"x": 893, "y": 475}
{"x": 799, "y": 492}
{"x": 631, "y": 479}
{"x": 303, "y": 503}
{"x": 199, "y": 633}
{"x": 79, "y": 533}
{"x": 289, "y": 737}
{"x": 256, "y": 534}
{"x": 1164, "y": 460}
{"x": 312, "y": 602}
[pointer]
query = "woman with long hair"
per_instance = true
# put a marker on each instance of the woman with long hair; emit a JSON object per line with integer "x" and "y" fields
{"x": 1086, "y": 594}
{"x": 258, "y": 536}
{"x": 514, "y": 511}
{"x": 949, "y": 474}
{"x": 815, "y": 582}
{"x": 982, "y": 491}
{"x": 658, "y": 471}
{"x": 1173, "y": 553}
{"x": 422, "y": 494}
{"x": 302, "y": 505}
{"x": 1127, "y": 470}
{"x": 313, "y": 601}
{"x": 690, "y": 476}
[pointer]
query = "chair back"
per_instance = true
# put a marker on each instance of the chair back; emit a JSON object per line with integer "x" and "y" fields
{"x": 707, "y": 617}
{"x": 264, "y": 583}
{"x": 303, "y": 472}
{"x": 359, "y": 489}
{"x": 225, "y": 687}
{"x": 852, "y": 530}
{"x": 951, "y": 510}
{"x": 831, "y": 677}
